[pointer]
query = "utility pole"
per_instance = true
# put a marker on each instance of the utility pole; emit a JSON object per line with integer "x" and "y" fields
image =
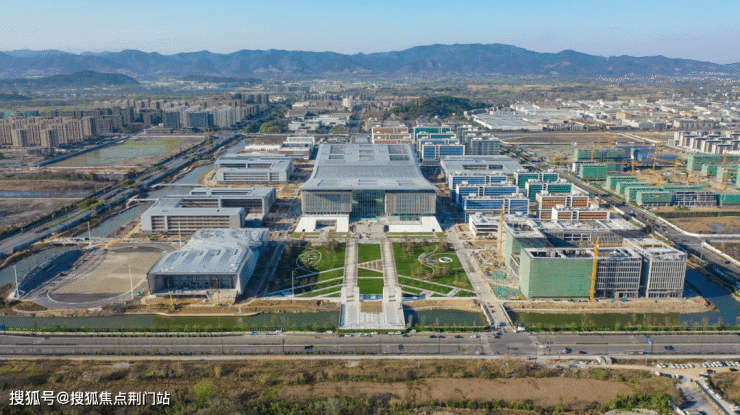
{"x": 16, "y": 281}
{"x": 89, "y": 236}
{"x": 131, "y": 281}
{"x": 292, "y": 284}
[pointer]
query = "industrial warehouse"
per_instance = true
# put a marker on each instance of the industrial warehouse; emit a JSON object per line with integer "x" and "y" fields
{"x": 220, "y": 260}
{"x": 366, "y": 181}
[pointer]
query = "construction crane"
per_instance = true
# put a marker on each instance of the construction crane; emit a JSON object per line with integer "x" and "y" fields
{"x": 501, "y": 239}
{"x": 596, "y": 267}
{"x": 593, "y": 151}
{"x": 724, "y": 157}
{"x": 633, "y": 167}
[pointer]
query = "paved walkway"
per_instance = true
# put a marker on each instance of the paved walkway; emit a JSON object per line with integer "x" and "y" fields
{"x": 352, "y": 317}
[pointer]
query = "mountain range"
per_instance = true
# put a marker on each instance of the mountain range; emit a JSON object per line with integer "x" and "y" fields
{"x": 458, "y": 59}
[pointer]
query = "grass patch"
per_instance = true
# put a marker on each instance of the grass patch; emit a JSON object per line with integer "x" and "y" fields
{"x": 370, "y": 285}
{"x": 427, "y": 286}
{"x": 329, "y": 290}
{"x": 362, "y": 272}
{"x": 368, "y": 252}
{"x": 320, "y": 260}
{"x": 464, "y": 293}
{"x": 408, "y": 263}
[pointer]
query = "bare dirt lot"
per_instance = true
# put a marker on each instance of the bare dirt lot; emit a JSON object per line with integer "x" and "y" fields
{"x": 199, "y": 306}
{"x": 711, "y": 225}
{"x": 17, "y": 211}
{"x": 637, "y": 305}
{"x": 52, "y": 186}
{"x": 561, "y": 137}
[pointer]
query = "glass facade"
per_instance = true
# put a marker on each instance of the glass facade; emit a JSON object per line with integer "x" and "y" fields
{"x": 368, "y": 204}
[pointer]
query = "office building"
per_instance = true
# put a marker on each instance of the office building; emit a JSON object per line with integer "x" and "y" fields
{"x": 368, "y": 181}
{"x": 254, "y": 168}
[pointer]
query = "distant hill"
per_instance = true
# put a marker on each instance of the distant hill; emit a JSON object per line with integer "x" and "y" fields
{"x": 429, "y": 107}
{"x": 14, "y": 97}
{"x": 462, "y": 59}
{"x": 221, "y": 79}
{"x": 83, "y": 79}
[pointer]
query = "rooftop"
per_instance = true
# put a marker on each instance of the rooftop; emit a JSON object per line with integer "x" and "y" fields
{"x": 212, "y": 251}
{"x": 479, "y": 165}
{"x": 256, "y": 192}
{"x": 367, "y": 167}
{"x": 171, "y": 206}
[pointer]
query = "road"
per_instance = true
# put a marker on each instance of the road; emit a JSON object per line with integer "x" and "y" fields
{"x": 422, "y": 344}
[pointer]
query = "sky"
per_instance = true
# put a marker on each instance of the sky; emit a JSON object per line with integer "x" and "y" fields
{"x": 706, "y": 30}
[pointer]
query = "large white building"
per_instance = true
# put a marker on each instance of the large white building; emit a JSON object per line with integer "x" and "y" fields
{"x": 214, "y": 260}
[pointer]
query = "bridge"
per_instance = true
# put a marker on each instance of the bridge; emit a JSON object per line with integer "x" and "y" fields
{"x": 135, "y": 200}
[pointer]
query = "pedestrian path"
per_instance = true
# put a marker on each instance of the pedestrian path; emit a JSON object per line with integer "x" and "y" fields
{"x": 352, "y": 317}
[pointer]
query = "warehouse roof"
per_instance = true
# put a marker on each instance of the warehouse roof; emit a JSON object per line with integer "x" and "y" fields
{"x": 367, "y": 167}
{"x": 212, "y": 251}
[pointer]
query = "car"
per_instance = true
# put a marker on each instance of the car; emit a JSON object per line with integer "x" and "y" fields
{"x": 432, "y": 336}
{"x": 458, "y": 337}
{"x": 734, "y": 369}
{"x": 669, "y": 348}
{"x": 582, "y": 352}
{"x": 566, "y": 350}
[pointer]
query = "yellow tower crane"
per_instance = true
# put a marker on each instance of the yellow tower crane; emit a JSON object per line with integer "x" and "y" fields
{"x": 596, "y": 267}
{"x": 633, "y": 166}
{"x": 501, "y": 239}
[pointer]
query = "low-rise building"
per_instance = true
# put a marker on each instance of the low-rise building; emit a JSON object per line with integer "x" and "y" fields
{"x": 213, "y": 261}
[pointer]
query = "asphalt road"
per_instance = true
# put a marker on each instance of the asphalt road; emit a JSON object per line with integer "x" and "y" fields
{"x": 421, "y": 344}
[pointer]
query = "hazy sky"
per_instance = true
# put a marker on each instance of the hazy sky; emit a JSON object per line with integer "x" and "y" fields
{"x": 704, "y": 30}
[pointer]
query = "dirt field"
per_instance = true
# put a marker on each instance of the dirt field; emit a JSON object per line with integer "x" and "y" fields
{"x": 230, "y": 385}
{"x": 111, "y": 275}
{"x": 639, "y": 305}
{"x": 467, "y": 305}
{"x": 17, "y": 211}
{"x": 52, "y": 186}
{"x": 729, "y": 384}
{"x": 561, "y": 137}
{"x": 200, "y": 306}
{"x": 726, "y": 224}
{"x": 730, "y": 248}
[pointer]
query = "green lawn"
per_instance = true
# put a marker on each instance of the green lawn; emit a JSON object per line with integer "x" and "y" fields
{"x": 328, "y": 260}
{"x": 408, "y": 289}
{"x": 370, "y": 285}
{"x": 319, "y": 286}
{"x": 409, "y": 265}
{"x": 423, "y": 285}
{"x": 362, "y": 272}
{"x": 368, "y": 252}
{"x": 406, "y": 264}
{"x": 323, "y": 291}
{"x": 465, "y": 294}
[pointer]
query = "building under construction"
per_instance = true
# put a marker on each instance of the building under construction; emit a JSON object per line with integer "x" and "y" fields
{"x": 556, "y": 260}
